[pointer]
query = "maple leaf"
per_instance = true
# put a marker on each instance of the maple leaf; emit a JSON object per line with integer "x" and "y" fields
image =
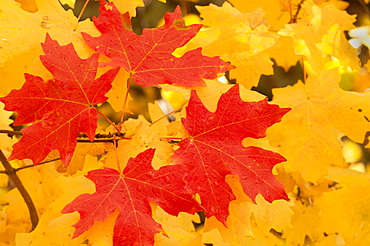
{"x": 317, "y": 128}
{"x": 148, "y": 56}
{"x": 23, "y": 31}
{"x": 344, "y": 211}
{"x": 62, "y": 107}
{"x": 278, "y": 13}
{"x": 319, "y": 36}
{"x": 128, "y": 5}
{"x": 213, "y": 150}
{"x": 131, "y": 192}
{"x": 237, "y": 37}
{"x": 50, "y": 17}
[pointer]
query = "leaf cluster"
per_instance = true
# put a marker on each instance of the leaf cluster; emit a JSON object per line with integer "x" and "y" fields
{"x": 261, "y": 173}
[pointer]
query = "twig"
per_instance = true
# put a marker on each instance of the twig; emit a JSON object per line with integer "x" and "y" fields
{"x": 11, "y": 132}
{"x": 110, "y": 122}
{"x": 24, "y": 167}
{"x": 295, "y": 16}
{"x": 128, "y": 85}
{"x": 18, "y": 183}
{"x": 80, "y": 15}
{"x": 164, "y": 116}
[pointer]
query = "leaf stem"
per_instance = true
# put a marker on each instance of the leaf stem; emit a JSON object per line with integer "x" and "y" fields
{"x": 11, "y": 132}
{"x": 116, "y": 154}
{"x": 110, "y": 122}
{"x": 166, "y": 115}
{"x": 304, "y": 70}
{"x": 295, "y": 16}
{"x": 113, "y": 140}
{"x": 167, "y": 138}
{"x": 32, "y": 165}
{"x": 18, "y": 183}
{"x": 81, "y": 13}
{"x": 125, "y": 101}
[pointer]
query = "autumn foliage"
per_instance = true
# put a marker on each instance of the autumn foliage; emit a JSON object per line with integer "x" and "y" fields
{"x": 229, "y": 168}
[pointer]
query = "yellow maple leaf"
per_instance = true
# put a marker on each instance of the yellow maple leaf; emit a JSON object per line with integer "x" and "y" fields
{"x": 22, "y": 32}
{"x": 144, "y": 136}
{"x": 320, "y": 110}
{"x": 278, "y": 13}
{"x": 241, "y": 228}
{"x": 179, "y": 229}
{"x": 70, "y": 3}
{"x": 283, "y": 53}
{"x": 238, "y": 223}
{"x": 240, "y": 38}
{"x": 305, "y": 220}
{"x": 210, "y": 94}
{"x": 55, "y": 228}
{"x": 28, "y": 5}
{"x": 319, "y": 37}
{"x": 116, "y": 95}
{"x": 249, "y": 223}
{"x": 275, "y": 215}
{"x": 81, "y": 152}
{"x": 345, "y": 211}
{"x": 128, "y": 6}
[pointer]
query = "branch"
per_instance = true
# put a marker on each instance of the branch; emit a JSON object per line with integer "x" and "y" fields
{"x": 295, "y": 16}
{"x": 11, "y": 132}
{"x": 18, "y": 183}
{"x": 97, "y": 137}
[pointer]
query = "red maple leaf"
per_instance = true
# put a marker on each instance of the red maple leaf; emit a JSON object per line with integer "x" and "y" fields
{"x": 148, "y": 57}
{"x": 214, "y": 149}
{"x": 62, "y": 107}
{"x": 131, "y": 192}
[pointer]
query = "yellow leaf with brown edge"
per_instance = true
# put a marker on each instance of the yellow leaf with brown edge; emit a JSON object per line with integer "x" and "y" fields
{"x": 320, "y": 111}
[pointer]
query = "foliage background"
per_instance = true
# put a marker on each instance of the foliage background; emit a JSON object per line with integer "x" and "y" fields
{"x": 330, "y": 209}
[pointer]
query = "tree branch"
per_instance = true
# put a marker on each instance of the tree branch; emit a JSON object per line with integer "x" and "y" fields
{"x": 24, "y": 167}
{"x": 11, "y": 132}
{"x": 295, "y": 16}
{"x": 18, "y": 183}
